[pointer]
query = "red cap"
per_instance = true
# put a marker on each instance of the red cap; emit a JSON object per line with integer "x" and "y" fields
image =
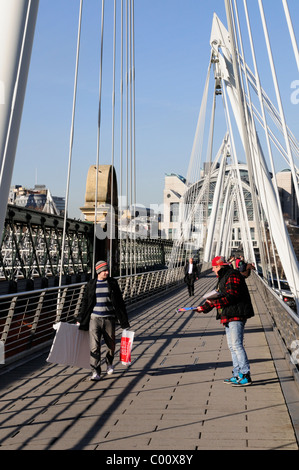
{"x": 219, "y": 261}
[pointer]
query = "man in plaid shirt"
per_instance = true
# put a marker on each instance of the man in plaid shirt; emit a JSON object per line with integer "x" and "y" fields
{"x": 234, "y": 307}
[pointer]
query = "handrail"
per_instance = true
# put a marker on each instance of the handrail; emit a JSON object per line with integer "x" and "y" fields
{"x": 284, "y": 318}
{"x": 27, "y": 318}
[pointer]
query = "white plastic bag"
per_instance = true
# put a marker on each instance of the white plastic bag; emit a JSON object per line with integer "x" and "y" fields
{"x": 126, "y": 347}
{"x": 70, "y": 346}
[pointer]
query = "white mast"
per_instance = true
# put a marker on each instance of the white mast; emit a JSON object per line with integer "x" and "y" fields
{"x": 17, "y": 26}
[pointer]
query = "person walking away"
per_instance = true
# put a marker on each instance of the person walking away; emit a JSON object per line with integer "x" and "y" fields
{"x": 234, "y": 307}
{"x": 242, "y": 265}
{"x": 102, "y": 307}
{"x": 191, "y": 274}
{"x": 232, "y": 261}
{"x": 249, "y": 267}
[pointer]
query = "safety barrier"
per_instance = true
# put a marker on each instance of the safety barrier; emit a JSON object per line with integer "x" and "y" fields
{"x": 27, "y": 318}
{"x": 284, "y": 319}
{"x": 138, "y": 287}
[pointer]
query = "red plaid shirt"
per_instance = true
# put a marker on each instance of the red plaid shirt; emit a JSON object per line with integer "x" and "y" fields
{"x": 232, "y": 292}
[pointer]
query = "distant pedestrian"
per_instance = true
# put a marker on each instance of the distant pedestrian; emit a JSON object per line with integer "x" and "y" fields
{"x": 232, "y": 261}
{"x": 102, "y": 306}
{"x": 247, "y": 271}
{"x": 234, "y": 307}
{"x": 242, "y": 264}
{"x": 191, "y": 274}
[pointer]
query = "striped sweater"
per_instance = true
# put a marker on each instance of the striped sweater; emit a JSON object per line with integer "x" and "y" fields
{"x": 103, "y": 306}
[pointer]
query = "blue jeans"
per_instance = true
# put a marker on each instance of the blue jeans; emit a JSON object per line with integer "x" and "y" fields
{"x": 234, "y": 336}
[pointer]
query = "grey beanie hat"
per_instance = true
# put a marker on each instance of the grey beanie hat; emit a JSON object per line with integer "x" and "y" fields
{"x": 101, "y": 266}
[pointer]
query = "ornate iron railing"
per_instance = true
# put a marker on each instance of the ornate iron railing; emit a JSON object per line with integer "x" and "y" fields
{"x": 31, "y": 245}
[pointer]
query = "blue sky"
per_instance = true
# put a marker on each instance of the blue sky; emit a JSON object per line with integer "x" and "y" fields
{"x": 171, "y": 59}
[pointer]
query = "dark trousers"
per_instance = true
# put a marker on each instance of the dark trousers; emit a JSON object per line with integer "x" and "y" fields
{"x": 101, "y": 327}
{"x": 190, "y": 283}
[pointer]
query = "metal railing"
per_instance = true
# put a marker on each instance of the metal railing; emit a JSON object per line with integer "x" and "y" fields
{"x": 138, "y": 287}
{"x": 27, "y": 318}
{"x": 284, "y": 318}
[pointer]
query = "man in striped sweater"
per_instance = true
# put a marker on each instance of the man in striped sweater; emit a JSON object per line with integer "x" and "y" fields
{"x": 102, "y": 307}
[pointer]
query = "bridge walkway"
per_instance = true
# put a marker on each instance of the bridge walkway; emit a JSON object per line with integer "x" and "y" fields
{"x": 172, "y": 397}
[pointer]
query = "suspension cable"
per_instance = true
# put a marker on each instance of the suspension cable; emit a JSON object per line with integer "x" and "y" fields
{"x": 235, "y": 160}
{"x": 71, "y": 144}
{"x": 121, "y": 141}
{"x": 98, "y": 141}
{"x": 282, "y": 118}
{"x": 112, "y": 214}
{"x": 259, "y": 89}
{"x": 133, "y": 123}
{"x": 128, "y": 244}
{"x": 278, "y": 97}
{"x": 291, "y": 31}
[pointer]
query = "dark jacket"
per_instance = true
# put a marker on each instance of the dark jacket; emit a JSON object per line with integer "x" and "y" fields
{"x": 190, "y": 278}
{"x": 240, "y": 304}
{"x": 235, "y": 301}
{"x": 89, "y": 301}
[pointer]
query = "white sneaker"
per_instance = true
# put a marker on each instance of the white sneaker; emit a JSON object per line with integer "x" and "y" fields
{"x": 110, "y": 370}
{"x": 95, "y": 376}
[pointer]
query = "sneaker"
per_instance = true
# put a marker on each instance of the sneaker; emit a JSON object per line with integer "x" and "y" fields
{"x": 110, "y": 370}
{"x": 95, "y": 377}
{"x": 232, "y": 380}
{"x": 244, "y": 380}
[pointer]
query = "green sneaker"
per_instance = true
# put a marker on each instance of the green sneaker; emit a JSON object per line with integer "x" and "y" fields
{"x": 244, "y": 380}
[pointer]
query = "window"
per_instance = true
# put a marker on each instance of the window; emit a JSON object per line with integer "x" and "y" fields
{"x": 174, "y": 212}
